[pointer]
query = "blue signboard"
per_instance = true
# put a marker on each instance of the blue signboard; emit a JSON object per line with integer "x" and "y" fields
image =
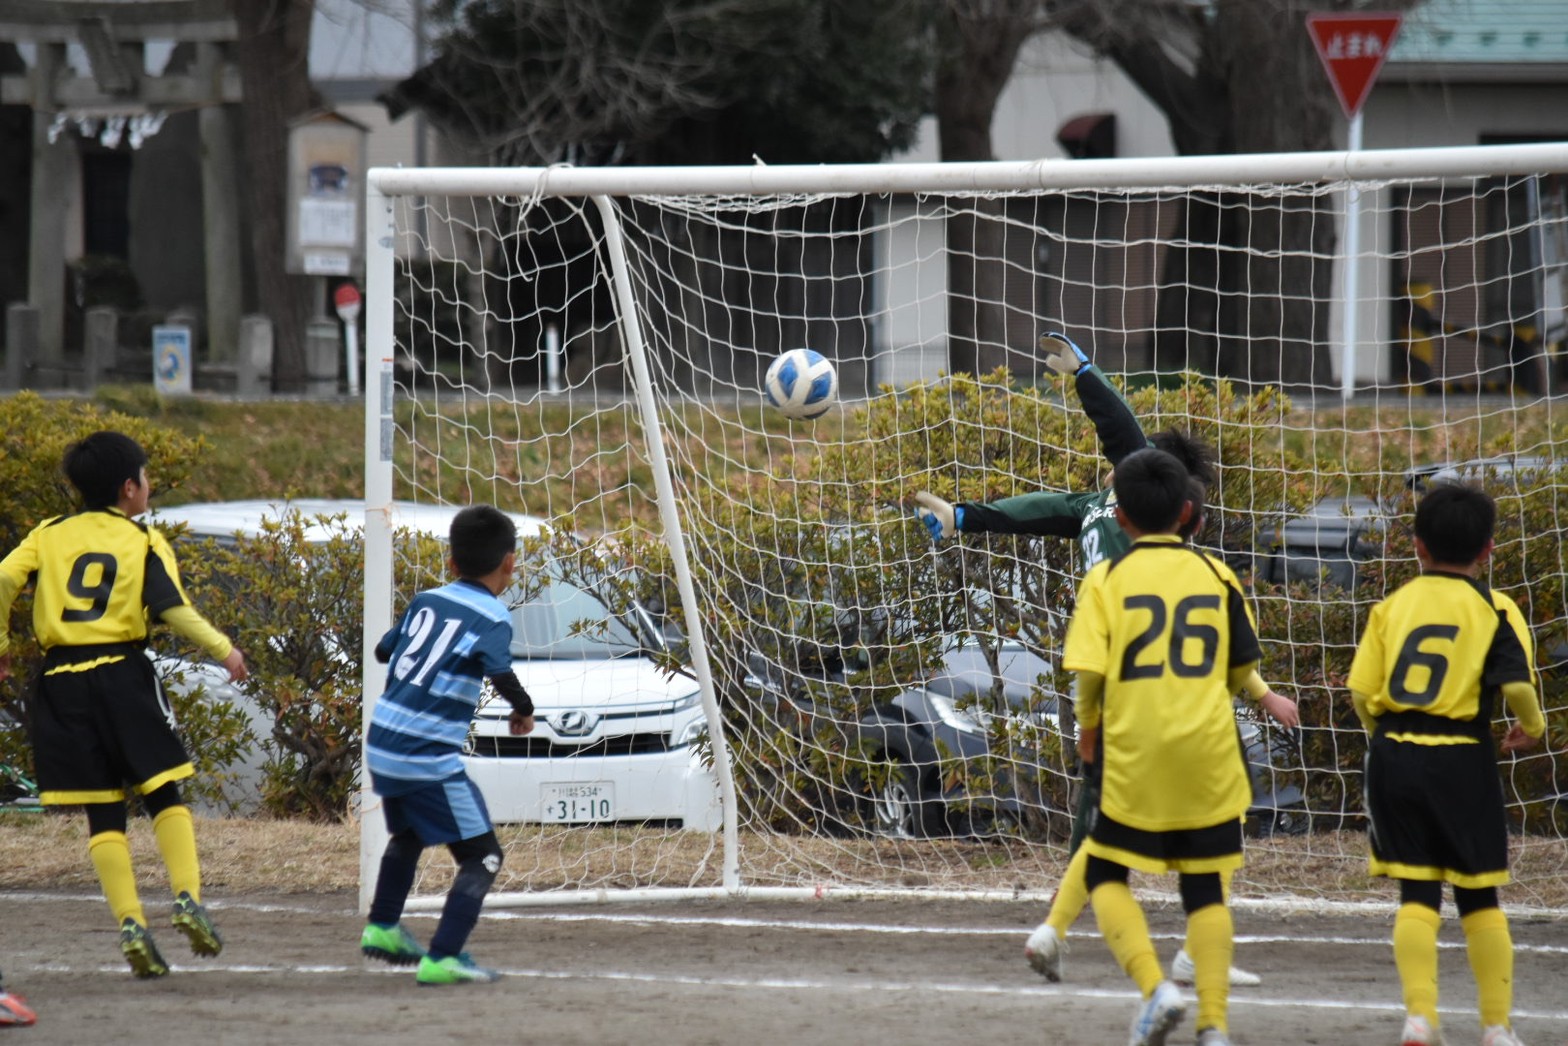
{"x": 171, "y": 360}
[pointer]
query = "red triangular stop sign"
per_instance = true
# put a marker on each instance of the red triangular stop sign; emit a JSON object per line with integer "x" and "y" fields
{"x": 1352, "y": 48}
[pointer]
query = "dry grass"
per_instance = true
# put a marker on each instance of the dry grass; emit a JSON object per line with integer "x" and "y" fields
{"x": 47, "y": 851}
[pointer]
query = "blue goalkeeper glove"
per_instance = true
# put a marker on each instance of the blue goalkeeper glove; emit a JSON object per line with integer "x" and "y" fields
{"x": 942, "y": 518}
{"x": 1061, "y": 355}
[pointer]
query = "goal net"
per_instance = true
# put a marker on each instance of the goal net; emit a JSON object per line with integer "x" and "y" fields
{"x": 754, "y": 669}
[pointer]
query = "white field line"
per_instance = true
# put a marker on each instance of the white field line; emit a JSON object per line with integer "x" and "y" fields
{"x": 1245, "y": 998}
{"x": 856, "y": 987}
{"x": 740, "y": 922}
{"x": 815, "y": 925}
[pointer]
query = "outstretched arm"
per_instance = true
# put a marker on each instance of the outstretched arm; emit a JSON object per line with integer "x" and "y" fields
{"x": 1113, "y": 420}
{"x": 1042, "y": 512}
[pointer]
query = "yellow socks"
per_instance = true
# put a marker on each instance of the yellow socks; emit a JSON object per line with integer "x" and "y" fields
{"x": 176, "y": 835}
{"x": 1072, "y": 895}
{"x": 1491, "y": 951}
{"x": 111, "y": 857}
{"x": 1126, "y": 931}
{"x": 1415, "y": 957}
{"x": 1211, "y": 943}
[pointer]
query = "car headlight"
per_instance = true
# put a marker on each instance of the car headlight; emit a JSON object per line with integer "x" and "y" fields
{"x": 686, "y": 701}
{"x": 692, "y": 732}
{"x": 962, "y": 720}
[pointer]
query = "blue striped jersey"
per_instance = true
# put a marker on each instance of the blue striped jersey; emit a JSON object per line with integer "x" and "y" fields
{"x": 449, "y": 639}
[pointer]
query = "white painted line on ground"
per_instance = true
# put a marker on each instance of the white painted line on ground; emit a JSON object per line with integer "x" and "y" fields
{"x": 815, "y": 925}
{"x": 856, "y": 986}
{"x": 1076, "y": 992}
{"x": 742, "y": 922}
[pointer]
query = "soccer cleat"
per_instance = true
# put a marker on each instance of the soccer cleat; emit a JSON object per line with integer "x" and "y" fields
{"x": 1183, "y": 973}
{"x": 1044, "y": 950}
{"x": 454, "y": 969}
{"x": 1419, "y": 1032}
{"x": 1500, "y": 1035}
{"x": 391, "y": 944}
{"x": 1158, "y": 1017}
{"x": 191, "y": 919}
{"x": 1213, "y": 1037}
{"x": 139, "y": 950}
{"x": 14, "y": 1011}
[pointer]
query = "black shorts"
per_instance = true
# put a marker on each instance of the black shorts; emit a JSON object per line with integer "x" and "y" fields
{"x": 1216, "y": 848}
{"x": 1436, "y": 813}
{"x": 100, "y": 731}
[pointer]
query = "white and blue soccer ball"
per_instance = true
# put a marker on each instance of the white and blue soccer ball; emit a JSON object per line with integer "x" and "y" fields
{"x": 801, "y": 383}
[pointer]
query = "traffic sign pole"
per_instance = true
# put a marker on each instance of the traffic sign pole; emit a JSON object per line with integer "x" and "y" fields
{"x": 1350, "y": 312}
{"x": 1352, "y": 48}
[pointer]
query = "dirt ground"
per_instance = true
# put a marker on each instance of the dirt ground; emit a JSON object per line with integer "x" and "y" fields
{"x": 830, "y": 971}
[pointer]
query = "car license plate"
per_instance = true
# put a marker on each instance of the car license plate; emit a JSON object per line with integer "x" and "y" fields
{"x": 575, "y": 803}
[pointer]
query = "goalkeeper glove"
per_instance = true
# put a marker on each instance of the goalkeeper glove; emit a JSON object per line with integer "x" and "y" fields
{"x": 942, "y": 518}
{"x": 1061, "y": 355}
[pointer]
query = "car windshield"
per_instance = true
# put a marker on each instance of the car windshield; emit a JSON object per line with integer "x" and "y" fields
{"x": 566, "y": 622}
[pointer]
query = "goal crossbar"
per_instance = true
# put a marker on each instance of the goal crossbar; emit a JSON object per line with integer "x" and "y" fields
{"x": 1000, "y": 176}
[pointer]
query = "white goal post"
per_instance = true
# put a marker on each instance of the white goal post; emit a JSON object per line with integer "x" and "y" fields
{"x": 756, "y": 675}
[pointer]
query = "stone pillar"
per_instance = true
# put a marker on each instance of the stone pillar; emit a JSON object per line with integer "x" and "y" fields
{"x": 323, "y": 346}
{"x": 102, "y": 344}
{"x": 51, "y": 193}
{"x": 220, "y": 196}
{"x": 253, "y": 368}
{"x": 21, "y": 344}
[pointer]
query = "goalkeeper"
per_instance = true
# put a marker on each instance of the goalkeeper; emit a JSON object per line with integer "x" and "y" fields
{"x": 1090, "y": 519}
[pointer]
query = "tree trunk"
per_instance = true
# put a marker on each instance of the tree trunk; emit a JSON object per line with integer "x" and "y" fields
{"x": 1186, "y": 324}
{"x": 1281, "y": 332}
{"x": 16, "y": 178}
{"x": 980, "y": 48}
{"x": 272, "y": 51}
{"x": 1246, "y": 294}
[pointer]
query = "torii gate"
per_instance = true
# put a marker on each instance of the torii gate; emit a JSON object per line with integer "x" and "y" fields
{"x": 113, "y": 35}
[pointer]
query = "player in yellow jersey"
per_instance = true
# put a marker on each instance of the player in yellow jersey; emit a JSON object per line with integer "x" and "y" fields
{"x": 1091, "y": 520}
{"x": 100, "y": 723}
{"x": 1159, "y": 641}
{"x": 1425, "y": 679}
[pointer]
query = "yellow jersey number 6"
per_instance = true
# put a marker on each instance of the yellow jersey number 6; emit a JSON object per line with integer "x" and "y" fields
{"x": 1411, "y": 656}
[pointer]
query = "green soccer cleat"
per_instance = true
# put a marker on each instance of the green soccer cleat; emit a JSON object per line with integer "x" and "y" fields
{"x": 391, "y": 944}
{"x": 192, "y": 920}
{"x": 140, "y": 952}
{"x": 454, "y": 969}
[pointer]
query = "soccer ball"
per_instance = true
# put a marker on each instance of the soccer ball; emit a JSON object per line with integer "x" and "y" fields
{"x": 801, "y": 383}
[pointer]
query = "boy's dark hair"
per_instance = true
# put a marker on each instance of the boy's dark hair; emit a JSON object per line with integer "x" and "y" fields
{"x": 1196, "y": 492}
{"x": 480, "y": 538}
{"x": 1151, "y": 487}
{"x": 1455, "y": 521}
{"x": 98, "y": 466}
{"x": 1194, "y": 454}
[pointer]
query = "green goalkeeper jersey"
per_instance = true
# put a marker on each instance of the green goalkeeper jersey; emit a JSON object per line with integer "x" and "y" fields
{"x": 1089, "y": 518}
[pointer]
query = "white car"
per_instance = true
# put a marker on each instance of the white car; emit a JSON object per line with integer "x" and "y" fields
{"x": 614, "y": 737}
